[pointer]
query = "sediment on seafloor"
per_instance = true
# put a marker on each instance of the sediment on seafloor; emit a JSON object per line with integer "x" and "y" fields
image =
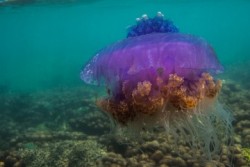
{"x": 58, "y": 138}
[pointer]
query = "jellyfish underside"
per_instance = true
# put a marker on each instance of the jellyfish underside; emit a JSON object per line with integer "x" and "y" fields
{"x": 188, "y": 110}
{"x": 165, "y": 97}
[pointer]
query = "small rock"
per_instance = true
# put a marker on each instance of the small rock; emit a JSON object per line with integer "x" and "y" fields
{"x": 239, "y": 160}
{"x": 166, "y": 159}
{"x": 10, "y": 161}
{"x": 1, "y": 164}
{"x": 236, "y": 149}
{"x": 247, "y": 139}
{"x": 157, "y": 156}
{"x": 224, "y": 157}
{"x": 246, "y": 132}
{"x": 132, "y": 162}
{"x": 196, "y": 165}
{"x": 18, "y": 164}
{"x": 151, "y": 146}
{"x": 237, "y": 139}
{"x": 163, "y": 165}
{"x": 114, "y": 159}
{"x": 180, "y": 162}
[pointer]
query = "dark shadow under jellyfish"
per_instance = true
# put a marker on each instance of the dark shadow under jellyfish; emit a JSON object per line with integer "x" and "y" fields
{"x": 158, "y": 76}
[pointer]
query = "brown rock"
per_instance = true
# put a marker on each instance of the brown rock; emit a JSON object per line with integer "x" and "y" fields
{"x": 196, "y": 165}
{"x": 131, "y": 152}
{"x": 209, "y": 164}
{"x": 157, "y": 156}
{"x": 239, "y": 160}
{"x": 246, "y": 132}
{"x": 236, "y": 149}
{"x": 213, "y": 164}
{"x": 10, "y": 160}
{"x": 187, "y": 156}
{"x": 190, "y": 162}
{"x": 146, "y": 163}
{"x": 163, "y": 165}
{"x": 18, "y": 164}
{"x": 224, "y": 157}
{"x": 132, "y": 162}
{"x": 247, "y": 138}
{"x": 1, "y": 164}
{"x": 237, "y": 139}
{"x": 113, "y": 159}
{"x": 166, "y": 159}
{"x": 151, "y": 146}
{"x": 180, "y": 162}
{"x": 114, "y": 165}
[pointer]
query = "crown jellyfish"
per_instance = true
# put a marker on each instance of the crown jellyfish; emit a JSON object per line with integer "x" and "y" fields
{"x": 160, "y": 77}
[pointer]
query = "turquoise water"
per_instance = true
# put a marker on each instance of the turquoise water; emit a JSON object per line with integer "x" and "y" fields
{"x": 49, "y": 117}
{"x": 44, "y": 45}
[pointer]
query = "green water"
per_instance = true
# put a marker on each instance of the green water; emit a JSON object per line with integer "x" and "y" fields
{"x": 44, "y": 45}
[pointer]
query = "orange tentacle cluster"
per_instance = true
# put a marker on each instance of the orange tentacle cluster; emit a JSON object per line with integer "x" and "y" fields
{"x": 147, "y": 98}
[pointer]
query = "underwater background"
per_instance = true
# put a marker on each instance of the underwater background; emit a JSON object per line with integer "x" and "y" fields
{"x": 48, "y": 115}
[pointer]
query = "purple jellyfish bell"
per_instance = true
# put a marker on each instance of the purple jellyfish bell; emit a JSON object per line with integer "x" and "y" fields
{"x": 183, "y": 54}
{"x": 140, "y": 57}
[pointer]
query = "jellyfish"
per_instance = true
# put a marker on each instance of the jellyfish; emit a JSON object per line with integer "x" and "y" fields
{"x": 158, "y": 76}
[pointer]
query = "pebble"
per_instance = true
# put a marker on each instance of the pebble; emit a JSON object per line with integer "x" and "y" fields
{"x": 132, "y": 162}
{"x": 237, "y": 139}
{"x": 224, "y": 157}
{"x": 113, "y": 158}
{"x": 246, "y": 132}
{"x": 166, "y": 159}
{"x": 180, "y": 162}
{"x": 157, "y": 156}
{"x": 239, "y": 160}
{"x": 163, "y": 165}
{"x": 10, "y": 160}
{"x": 18, "y": 164}
{"x": 247, "y": 138}
{"x": 236, "y": 149}
{"x": 151, "y": 145}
